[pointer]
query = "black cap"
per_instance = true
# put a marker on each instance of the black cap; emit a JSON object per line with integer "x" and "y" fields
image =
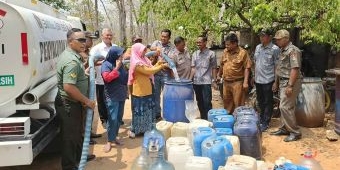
{"x": 265, "y": 31}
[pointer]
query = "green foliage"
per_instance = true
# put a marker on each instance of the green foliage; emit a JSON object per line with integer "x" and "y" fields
{"x": 319, "y": 20}
{"x": 58, "y": 4}
{"x": 85, "y": 9}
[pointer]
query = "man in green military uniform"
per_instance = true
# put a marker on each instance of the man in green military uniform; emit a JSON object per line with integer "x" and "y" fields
{"x": 71, "y": 98}
{"x": 289, "y": 78}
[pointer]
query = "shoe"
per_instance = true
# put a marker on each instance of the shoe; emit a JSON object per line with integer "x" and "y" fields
{"x": 92, "y": 142}
{"x": 93, "y": 135}
{"x": 131, "y": 135}
{"x": 292, "y": 137}
{"x": 263, "y": 127}
{"x": 90, "y": 157}
{"x": 280, "y": 132}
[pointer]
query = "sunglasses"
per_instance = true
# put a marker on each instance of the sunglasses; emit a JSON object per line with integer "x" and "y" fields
{"x": 81, "y": 40}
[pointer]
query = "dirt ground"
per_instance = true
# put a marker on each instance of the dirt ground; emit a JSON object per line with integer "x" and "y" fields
{"x": 121, "y": 157}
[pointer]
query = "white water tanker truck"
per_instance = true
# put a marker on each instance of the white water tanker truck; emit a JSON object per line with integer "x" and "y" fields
{"x": 32, "y": 35}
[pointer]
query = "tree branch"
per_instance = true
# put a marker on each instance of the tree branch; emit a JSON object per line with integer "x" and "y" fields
{"x": 185, "y": 6}
{"x": 243, "y": 18}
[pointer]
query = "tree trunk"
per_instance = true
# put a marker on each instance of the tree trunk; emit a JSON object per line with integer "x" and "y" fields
{"x": 89, "y": 11}
{"x": 122, "y": 21}
{"x": 132, "y": 31}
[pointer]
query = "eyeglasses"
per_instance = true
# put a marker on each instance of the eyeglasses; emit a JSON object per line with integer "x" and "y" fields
{"x": 81, "y": 40}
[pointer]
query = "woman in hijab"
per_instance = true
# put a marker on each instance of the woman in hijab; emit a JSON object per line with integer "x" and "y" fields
{"x": 141, "y": 78}
{"x": 115, "y": 90}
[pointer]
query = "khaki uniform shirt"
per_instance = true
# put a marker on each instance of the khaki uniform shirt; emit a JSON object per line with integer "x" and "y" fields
{"x": 183, "y": 63}
{"x": 70, "y": 70}
{"x": 290, "y": 57}
{"x": 234, "y": 64}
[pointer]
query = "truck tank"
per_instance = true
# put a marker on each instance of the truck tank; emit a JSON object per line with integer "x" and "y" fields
{"x": 30, "y": 43}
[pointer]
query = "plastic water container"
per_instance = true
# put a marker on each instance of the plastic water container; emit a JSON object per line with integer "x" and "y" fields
{"x": 175, "y": 94}
{"x": 142, "y": 162}
{"x": 250, "y": 138}
{"x": 223, "y": 131}
{"x": 235, "y": 142}
{"x": 309, "y": 162}
{"x": 224, "y": 121}
{"x": 216, "y": 112}
{"x": 290, "y": 166}
{"x": 191, "y": 110}
{"x": 154, "y": 142}
{"x": 194, "y": 125}
{"x": 179, "y": 129}
{"x": 161, "y": 164}
{"x": 199, "y": 135}
{"x": 178, "y": 155}
{"x": 261, "y": 165}
{"x": 241, "y": 162}
{"x": 218, "y": 149}
{"x": 198, "y": 163}
{"x": 165, "y": 128}
{"x": 176, "y": 141}
{"x": 246, "y": 112}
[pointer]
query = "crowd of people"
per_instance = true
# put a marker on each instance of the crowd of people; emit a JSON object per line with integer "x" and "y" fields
{"x": 275, "y": 67}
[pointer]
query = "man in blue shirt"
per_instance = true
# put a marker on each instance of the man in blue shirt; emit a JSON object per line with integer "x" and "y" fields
{"x": 265, "y": 57}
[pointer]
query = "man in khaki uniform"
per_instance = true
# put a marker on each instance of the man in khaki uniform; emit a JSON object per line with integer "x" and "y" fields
{"x": 289, "y": 77}
{"x": 234, "y": 70}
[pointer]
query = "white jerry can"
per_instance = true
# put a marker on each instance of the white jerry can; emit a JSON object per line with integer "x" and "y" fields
{"x": 235, "y": 142}
{"x": 198, "y": 163}
{"x": 179, "y": 129}
{"x": 241, "y": 162}
{"x": 179, "y": 154}
{"x": 165, "y": 128}
{"x": 194, "y": 125}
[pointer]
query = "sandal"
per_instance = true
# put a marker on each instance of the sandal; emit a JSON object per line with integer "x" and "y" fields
{"x": 107, "y": 148}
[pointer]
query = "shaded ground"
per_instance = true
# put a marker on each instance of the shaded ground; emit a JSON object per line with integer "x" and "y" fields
{"x": 121, "y": 157}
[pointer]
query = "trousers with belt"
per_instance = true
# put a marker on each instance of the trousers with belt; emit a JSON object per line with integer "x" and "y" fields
{"x": 233, "y": 94}
{"x": 288, "y": 105}
{"x": 71, "y": 127}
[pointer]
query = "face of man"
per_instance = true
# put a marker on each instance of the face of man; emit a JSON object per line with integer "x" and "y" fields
{"x": 265, "y": 39}
{"x": 77, "y": 42}
{"x": 201, "y": 44}
{"x": 282, "y": 42}
{"x": 180, "y": 46}
{"x": 231, "y": 46}
{"x": 165, "y": 38}
{"x": 107, "y": 37}
{"x": 89, "y": 43}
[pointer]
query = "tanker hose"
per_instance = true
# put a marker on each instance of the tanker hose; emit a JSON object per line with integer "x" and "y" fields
{"x": 89, "y": 114}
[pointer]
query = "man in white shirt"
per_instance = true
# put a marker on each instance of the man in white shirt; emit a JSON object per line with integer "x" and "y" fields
{"x": 102, "y": 49}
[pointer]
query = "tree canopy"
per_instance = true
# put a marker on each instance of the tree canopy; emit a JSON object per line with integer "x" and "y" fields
{"x": 319, "y": 21}
{"x": 58, "y": 4}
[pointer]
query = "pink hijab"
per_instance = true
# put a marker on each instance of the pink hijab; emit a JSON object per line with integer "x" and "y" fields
{"x": 137, "y": 60}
